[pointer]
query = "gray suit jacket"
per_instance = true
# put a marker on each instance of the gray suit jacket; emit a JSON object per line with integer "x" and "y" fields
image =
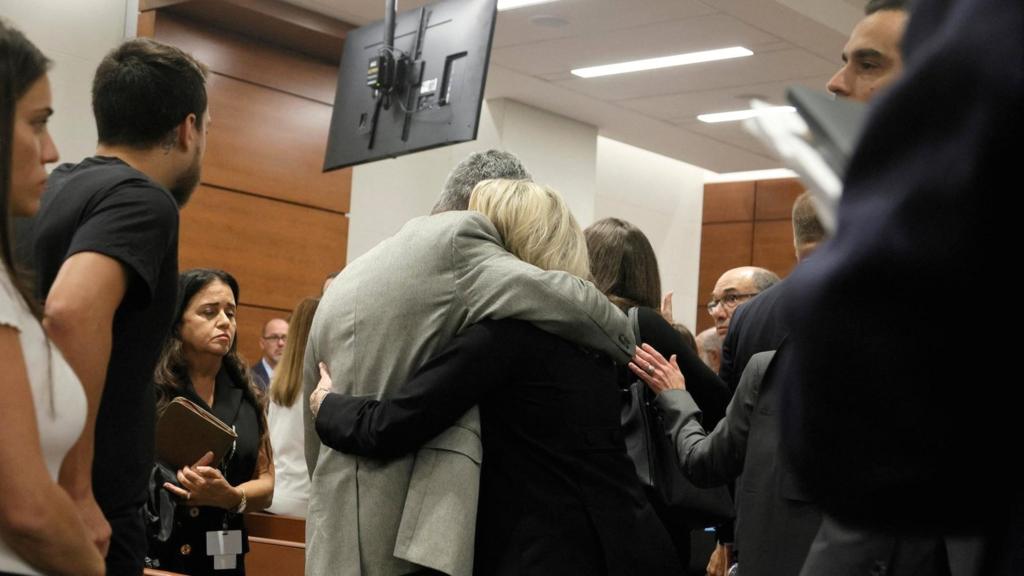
{"x": 386, "y": 314}
{"x": 775, "y": 522}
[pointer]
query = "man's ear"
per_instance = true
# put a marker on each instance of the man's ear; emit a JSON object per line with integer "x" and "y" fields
{"x": 187, "y": 132}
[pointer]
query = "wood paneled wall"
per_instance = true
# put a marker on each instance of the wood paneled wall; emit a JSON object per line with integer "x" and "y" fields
{"x": 264, "y": 211}
{"x": 745, "y": 224}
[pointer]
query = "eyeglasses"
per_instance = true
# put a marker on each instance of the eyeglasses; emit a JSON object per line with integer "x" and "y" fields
{"x": 278, "y": 337}
{"x": 730, "y": 301}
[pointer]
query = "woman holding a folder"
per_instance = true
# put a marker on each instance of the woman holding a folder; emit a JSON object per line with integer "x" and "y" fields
{"x": 200, "y": 364}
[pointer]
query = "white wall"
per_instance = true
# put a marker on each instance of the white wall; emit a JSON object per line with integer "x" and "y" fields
{"x": 557, "y": 151}
{"x": 598, "y": 177}
{"x": 664, "y": 198}
{"x": 75, "y": 34}
{"x": 388, "y": 193}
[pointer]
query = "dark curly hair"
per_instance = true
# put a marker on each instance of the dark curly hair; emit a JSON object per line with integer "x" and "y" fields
{"x": 171, "y": 374}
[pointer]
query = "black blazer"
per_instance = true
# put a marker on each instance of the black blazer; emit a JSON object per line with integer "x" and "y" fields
{"x": 259, "y": 375}
{"x": 558, "y": 494}
{"x": 756, "y": 326}
{"x": 886, "y": 413}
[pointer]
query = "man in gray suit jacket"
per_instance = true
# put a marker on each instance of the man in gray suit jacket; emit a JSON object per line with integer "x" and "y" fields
{"x": 775, "y": 521}
{"x": 386, "y": 314}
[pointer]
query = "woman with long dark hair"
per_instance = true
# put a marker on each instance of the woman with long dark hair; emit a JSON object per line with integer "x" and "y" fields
{"x": 625, "y": 268}
{"x": 200, "y": 363}
{"x": 44, "y": 404}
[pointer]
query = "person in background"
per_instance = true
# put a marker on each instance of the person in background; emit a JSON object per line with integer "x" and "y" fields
{"x": 625, "y": 268}
{"x": 734, "y": 287}
{"x": 200, "y": 363}
{"x": 44, "y": 404}
{"x": 709, "y": 347}
{"x": 284, "y": 418}
{"x": 272, "y": 343}
{"x": 758, "y": 326}
{"x": 106, "y": 256}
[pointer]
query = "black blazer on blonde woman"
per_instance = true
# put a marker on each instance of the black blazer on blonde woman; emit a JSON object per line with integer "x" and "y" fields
{"x": 558, "y": 494}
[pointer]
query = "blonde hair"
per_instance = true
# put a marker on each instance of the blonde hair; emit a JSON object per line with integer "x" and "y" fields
{"x": 535, "y": 224}
{"x": 286, "y": 383}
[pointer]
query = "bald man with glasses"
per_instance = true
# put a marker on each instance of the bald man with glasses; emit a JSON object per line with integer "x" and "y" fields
{"x": 735, "y": 287}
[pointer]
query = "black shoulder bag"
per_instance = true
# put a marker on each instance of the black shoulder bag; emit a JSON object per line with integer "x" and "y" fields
{"x": 656, "y": 462}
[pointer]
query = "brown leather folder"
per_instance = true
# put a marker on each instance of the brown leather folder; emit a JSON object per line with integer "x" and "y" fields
{"x": 186, "y": 431}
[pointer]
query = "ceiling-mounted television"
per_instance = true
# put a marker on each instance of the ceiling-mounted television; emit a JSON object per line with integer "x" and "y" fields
{"x": 411, "y": 82}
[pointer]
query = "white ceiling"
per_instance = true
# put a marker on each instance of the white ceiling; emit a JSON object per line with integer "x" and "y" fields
{"x": 794, "y": 42}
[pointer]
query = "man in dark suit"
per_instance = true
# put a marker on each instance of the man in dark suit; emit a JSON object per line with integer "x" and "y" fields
{"x": 272, "y": 341}
{"x": 757, "y": 326}
{"x": 884, "y": 421}
{"x": 871, "y": 61}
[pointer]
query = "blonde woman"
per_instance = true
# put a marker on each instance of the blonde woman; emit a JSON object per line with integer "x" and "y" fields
{"x": 284, "y": 417}
{"x": 558, "y": 494}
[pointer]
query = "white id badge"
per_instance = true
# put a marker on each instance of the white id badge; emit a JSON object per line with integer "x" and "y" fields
{"x": 224, "y": 546}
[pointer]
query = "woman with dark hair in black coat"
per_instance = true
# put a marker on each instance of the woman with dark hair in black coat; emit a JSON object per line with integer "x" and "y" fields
{"x": 625, "y": 268}
{"x": 200, "y": 363}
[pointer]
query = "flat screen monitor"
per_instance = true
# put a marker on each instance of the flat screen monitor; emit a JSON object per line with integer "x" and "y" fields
{"x": 438, "y": 70}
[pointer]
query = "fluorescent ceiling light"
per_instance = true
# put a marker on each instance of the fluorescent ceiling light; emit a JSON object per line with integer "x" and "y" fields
{"x": 663, "y": 62}
{"x": 743, "y": 114}
{"x": 713, "y": 178}
{"x": 513, "y": 4}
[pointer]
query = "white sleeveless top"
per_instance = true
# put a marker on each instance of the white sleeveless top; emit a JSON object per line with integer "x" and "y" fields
{"x": 58, "y": 396}
{"x": 291, "y": 480}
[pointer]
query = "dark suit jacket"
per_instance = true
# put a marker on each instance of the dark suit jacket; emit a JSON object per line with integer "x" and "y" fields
{"x": 259, "y": 375}
{"x": 558, "y": 494}
{"x": 775, "y": 523}
{"x": 888, "y": 417}
{"x": 756, "y": 326}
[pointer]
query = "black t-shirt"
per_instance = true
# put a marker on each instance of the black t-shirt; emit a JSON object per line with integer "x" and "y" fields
{"x": 103, "y": 205}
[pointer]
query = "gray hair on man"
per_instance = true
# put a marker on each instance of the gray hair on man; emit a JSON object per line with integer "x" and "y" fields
{"x": 479, "y": 166}
{"x": 764, "y": 279}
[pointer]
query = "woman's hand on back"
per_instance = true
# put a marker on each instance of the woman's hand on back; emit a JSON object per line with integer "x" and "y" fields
{"x": 659, "y": 374}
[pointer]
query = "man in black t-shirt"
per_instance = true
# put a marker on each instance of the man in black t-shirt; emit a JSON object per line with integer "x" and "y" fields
{"x": 106, "y": 251}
